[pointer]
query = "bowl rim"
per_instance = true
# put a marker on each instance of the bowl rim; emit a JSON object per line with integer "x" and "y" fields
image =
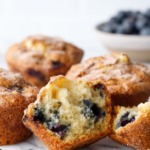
{"x": 119, "y": 35}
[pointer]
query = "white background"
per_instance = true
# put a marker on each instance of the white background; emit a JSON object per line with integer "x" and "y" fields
{"x": 73, "y": 20}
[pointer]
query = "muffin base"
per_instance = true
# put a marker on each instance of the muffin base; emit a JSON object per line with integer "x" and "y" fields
{"x": 14, "y": 131}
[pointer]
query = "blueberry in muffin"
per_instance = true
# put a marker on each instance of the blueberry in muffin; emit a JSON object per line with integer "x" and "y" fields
{"x": 127, "y": 82}
{"x": 69, "y": 114}
{"x": 131, "y": 126}
{"x": 15, "y": 96}
{"x": 39, "y": 57}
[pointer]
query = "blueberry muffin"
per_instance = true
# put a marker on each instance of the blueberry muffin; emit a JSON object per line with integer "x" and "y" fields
{"x": 15, "y": 96}
{"x": 38, "y": 58}
{"x": 127, "y": 82}
{"x": 69, "y": 114}
{"x": 132, "y": 126}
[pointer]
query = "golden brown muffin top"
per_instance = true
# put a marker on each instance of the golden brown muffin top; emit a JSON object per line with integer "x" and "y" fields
{"x": 13, "y": 89}
{"x": 45, "y": 51}
{"x": 116, "y": 71}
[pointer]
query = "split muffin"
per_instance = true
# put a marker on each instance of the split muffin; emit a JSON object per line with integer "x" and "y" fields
{"x": 15, "y": 96}
{"x": 127, "y": 82}
{"x": 131, "y": 126}
{"x": 38, "y": 58}
{"x": 69, "y": 114}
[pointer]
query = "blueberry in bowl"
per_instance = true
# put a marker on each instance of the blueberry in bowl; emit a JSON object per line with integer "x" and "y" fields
{"x": 128, "y": 32}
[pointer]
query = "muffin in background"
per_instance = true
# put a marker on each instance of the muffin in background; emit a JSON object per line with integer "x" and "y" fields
{"x": 127, "y": 82}
{"x": 39, "y": 57}
{"x": 15, "y": 96}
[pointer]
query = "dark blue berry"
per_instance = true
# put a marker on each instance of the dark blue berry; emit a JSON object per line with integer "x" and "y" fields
{"x": 35, "y": 73}
{"x": 98, "y": 86}
{"x": 92, "y": 111}
{"x": 124, "y": 120}
{"x": 145, "y": 31}
{"x": 56, "y": 64}
{"x": 147, "y": 13}
{"x": 121, "y": 15}
{"x": 59, "y": 129}
{"x": 38, "y": 115}
{"x": 88, "y": 103}
{"x": 127, "y": 26}
{"x": 141, "y": 23}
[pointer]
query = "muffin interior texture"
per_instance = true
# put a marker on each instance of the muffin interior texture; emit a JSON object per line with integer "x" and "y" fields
{"x": 72, "y": 109}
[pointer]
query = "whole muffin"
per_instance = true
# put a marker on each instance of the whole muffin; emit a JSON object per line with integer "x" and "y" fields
{"x": 15, "y": 96}
{"x": 127, "y": 82}
{"x": 131, "y": 126}
{"x": 38, "y": 58}
{"x": 69, "y": 114}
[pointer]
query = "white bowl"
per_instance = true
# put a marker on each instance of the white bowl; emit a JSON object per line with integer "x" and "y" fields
{"x": 136, "y": 46}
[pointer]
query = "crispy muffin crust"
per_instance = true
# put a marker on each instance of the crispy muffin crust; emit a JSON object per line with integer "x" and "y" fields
{"x": 38, "y": 58}
{"x": 15, "y": 96}
{"x": 137, "y": 133}
{"x": 127, "y": 82}
{"x": 53, "y": 141}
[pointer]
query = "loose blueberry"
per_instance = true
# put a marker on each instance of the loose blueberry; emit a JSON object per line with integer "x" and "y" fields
{"x": 121, "y": 15}
{"x": 124, "y": 120}
{"x": 147, "y": 13}
{"x": 115, "y": 20}
{"x": 126, "y": 27}
{"x": 108, "y": 27}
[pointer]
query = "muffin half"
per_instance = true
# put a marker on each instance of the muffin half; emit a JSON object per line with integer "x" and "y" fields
{"x": 38, "y": 58}
{"x": 132, "y": 126}
{"x": 69, "y": 114}
{"x": 15, "y": 96}
{"x": 127, "y": 82}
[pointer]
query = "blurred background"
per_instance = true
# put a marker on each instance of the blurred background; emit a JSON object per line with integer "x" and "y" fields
{"x": 73, "y": 20}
